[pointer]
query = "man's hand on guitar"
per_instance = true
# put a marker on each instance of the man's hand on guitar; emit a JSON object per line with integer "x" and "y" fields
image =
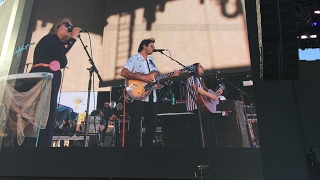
{"x": 147, "y": 79}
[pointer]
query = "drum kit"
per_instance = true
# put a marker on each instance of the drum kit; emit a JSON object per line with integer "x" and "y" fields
{"x": 116, "y": 125}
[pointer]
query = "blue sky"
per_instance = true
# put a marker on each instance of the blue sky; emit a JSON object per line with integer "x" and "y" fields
{"x": 309, "y": 54}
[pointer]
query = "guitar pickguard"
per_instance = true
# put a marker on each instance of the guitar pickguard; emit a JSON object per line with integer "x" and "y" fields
{"x": 132, "y": 87}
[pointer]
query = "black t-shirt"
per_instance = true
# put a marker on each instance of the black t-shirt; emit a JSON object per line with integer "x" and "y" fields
{"x": 50, "y": 48}
{"x": 107, "y": 113}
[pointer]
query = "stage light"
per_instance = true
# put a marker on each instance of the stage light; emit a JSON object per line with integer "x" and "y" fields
{"x": 315, "y": 23}
{"x": 315, "y": 19}
{"x": 313, "y": 36}
{"x": 247, "y": 83}
{"x": 248, "y": 80}
{"x": 316, "y": 11}
{"x": 304, "y": 37}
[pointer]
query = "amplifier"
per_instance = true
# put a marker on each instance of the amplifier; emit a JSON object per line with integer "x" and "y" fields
{"x": 177, "y": 108}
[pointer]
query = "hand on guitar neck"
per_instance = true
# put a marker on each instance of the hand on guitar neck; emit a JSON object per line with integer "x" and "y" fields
{"x": 209, "y": 94}
{"x": 216, "y": 94}
{"x": 209, "y": 100}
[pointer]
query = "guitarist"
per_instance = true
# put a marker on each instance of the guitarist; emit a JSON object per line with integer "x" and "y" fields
{"x": 209, "y": 132}
{"x": 137, "y": 67}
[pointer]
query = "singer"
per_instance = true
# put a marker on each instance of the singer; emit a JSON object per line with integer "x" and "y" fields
{"x": 50, "y": 56}
{"x": 138, "y": 67}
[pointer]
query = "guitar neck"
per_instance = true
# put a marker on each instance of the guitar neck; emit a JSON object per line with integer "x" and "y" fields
{"x": 217, "y": 92}
{"x": 163, "y": 76}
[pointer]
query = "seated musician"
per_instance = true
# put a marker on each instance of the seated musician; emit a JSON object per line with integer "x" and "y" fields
{"x": 102, "y": 123}
{"x": 109, "y": 116}
{"x": 142, "y": 67}
{"x": 80, "y": 128}
{"x": 208, "y": 125}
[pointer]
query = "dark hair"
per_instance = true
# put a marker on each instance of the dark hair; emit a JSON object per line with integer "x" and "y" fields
{"x": 196, "y": 73}
{"x": 95, "y": 112}
{"x": 145, "y": 42}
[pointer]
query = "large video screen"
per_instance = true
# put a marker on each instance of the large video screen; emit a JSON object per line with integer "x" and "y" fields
{"x": 213, "y": 33}
{"x": 210, "y": 32}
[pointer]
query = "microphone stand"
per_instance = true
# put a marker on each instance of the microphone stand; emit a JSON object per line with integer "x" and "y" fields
{"x": 243, "y": 107}
{"x": 27, "y": 65}
{"x": 91, "y": 70}
{"x": 173, "y": 59}
{"x": 196, "y": 99}
{"x": 199, "y": 111}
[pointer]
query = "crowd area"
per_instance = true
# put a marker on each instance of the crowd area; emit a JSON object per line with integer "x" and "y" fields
{"x": 99, "y": 120}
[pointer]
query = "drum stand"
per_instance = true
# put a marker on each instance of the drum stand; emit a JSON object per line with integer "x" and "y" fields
{"x": 116, "y": 132}
{"x": 116, "y": 137}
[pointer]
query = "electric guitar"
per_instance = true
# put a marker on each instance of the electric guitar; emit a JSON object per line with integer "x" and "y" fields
{"x": 138, "y": 89}
{"x": 207, "y": 104}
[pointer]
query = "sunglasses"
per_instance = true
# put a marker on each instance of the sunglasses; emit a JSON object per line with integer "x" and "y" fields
{"x": 68, "y": 25}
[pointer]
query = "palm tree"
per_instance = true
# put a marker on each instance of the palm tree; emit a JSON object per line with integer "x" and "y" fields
{"x": 77, "y": 101}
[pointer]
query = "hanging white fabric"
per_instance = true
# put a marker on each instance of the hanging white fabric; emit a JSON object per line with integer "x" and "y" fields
{"x": 28, "y": 111}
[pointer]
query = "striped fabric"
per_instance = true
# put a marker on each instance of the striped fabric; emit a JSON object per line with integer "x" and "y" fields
{"x": 191, "y": 94}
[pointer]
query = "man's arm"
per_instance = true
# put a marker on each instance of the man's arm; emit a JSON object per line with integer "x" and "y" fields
{"x": 102, "y": 125}
{"x": 205, "y": 93}
{"x": 175, "y": 73}
{"x": 78, "y": 128}
{"x": 129, "y": 75}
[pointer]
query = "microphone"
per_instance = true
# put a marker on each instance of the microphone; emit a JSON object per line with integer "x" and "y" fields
{"x": 212, "y": 72}
{"x": 71, "y": 28}
{"x": 215, "y": 72}
{"x": 160, "y": 50}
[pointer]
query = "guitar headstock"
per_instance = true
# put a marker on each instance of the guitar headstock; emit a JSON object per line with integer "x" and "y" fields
{"x": 222, "y": 86}
{"x": 191, "y": 68}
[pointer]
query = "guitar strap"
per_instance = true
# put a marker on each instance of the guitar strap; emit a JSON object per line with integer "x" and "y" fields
{"x": 193, "y": 96}
{"x": 201, "y": 80}
{"x": 203, "y": 84}
{"x": 151, "y": 94}
{"x": 148, "y": 65}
